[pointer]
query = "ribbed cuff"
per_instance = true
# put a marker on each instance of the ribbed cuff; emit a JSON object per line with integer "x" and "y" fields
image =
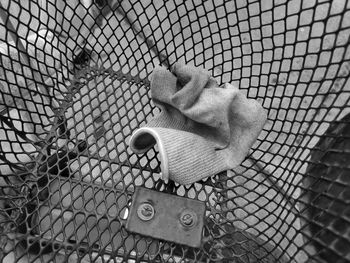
{"x": 145, "y": 138}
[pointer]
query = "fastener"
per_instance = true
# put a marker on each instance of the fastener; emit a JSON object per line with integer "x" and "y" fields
{"x": 145, "y": 211}
{"x": 188, "y": 218}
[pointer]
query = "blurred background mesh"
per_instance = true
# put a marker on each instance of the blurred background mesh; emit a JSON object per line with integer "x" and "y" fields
{"x": 74, "y": 82}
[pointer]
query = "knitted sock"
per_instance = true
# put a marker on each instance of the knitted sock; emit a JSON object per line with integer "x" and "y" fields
{"x": 203, "y": 129}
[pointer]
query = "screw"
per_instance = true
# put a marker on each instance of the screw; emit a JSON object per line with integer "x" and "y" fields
{"x": 188, "y": 218}
{"x": 145, "y": 211}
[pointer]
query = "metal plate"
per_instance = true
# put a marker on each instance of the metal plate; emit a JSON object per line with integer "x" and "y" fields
{"x": 165, "y": 216}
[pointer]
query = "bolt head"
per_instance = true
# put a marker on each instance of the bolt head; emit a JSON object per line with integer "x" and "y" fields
{"x": 145, "y": 211}
{"x": 188, "y": 218}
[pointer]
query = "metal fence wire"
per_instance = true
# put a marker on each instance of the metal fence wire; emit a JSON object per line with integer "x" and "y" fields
{"x": 75, "y": 80}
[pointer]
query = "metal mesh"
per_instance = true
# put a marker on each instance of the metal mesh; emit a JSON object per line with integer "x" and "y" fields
{"x": 74, "y": 81}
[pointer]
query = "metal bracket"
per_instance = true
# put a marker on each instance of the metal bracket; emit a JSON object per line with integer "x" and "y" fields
{"x": 165, "y": 216}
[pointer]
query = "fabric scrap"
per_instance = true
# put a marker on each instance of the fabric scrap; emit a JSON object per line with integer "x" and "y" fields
{"x": 202, "y": 129}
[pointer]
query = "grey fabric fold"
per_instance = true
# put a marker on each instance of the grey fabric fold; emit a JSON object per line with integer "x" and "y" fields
{"x": 202, "y": 129}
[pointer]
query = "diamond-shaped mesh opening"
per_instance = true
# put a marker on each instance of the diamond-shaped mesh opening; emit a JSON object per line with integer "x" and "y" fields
{"x": 74, "y": 81}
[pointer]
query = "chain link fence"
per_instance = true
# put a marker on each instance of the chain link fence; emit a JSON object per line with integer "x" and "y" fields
{"x": 74, "y": 82}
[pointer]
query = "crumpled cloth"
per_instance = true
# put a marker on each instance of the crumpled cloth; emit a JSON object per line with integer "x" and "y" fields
{"x": 202, "y": 129}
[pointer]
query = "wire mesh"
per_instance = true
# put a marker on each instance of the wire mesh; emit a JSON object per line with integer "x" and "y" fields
{"x": 74, "y": 81}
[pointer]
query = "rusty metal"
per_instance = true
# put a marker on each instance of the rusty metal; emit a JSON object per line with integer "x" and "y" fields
{"x": 166, "y": 217}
